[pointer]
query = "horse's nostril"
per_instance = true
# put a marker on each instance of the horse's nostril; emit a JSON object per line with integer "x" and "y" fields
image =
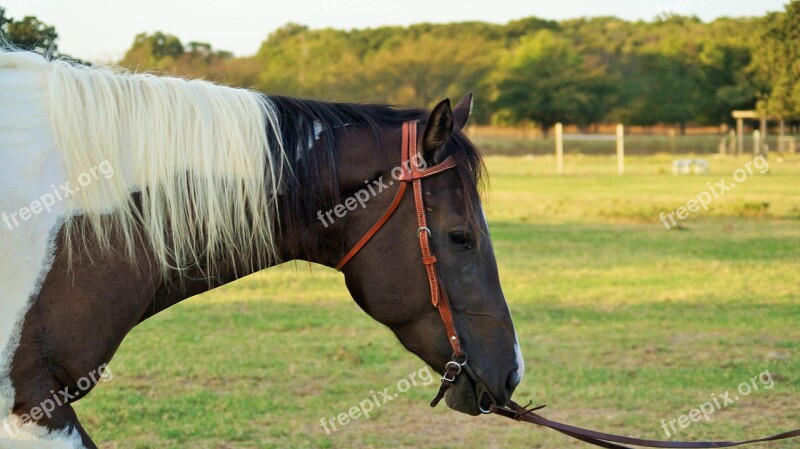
{"x": 513, "y": 380}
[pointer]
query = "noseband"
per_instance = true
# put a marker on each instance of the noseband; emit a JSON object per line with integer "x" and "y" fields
{"x": 413, "y": 174}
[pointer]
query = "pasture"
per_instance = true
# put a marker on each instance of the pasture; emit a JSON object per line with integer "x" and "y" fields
{"x": 623, "y": 324}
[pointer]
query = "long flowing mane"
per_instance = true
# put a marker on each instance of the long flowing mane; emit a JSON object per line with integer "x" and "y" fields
{"x": 198, "y": 154}
{"x": 210, "y": 164}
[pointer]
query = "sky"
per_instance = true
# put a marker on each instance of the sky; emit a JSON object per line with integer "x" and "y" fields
{"x": 101, "y": 30}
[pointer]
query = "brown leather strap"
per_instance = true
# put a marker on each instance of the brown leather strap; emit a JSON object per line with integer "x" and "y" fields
{"x": 438, "y": 294}
{"x": 519, "y": 413}
{"x": 377, "y": 227}
{"x": 451, "y": 370}
{"x": 412, "y": 173}
{"x": 401, "y": 191}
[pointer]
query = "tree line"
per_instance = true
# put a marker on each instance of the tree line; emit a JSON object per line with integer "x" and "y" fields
{"x": 673, "y": 70}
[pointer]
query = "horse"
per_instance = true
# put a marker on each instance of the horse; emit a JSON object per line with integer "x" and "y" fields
{"x": 124, "y": 194}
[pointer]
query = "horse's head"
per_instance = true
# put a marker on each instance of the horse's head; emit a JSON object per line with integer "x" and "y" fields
{"x": 387, "y": 277}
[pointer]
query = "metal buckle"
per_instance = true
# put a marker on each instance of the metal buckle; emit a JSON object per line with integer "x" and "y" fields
{"x": 459, "y": 366}
{"x": 447, "y": 370}
{"x": 426, "y": 230}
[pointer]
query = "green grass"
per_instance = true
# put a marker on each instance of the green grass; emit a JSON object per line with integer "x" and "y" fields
{"x": 622, "y": 323}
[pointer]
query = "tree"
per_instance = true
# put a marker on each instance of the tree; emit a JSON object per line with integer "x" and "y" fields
{"x": 28, "y": 34}
{"x": 547, "y": 82}
{"x": 166, "y": 52}
{"x": 726, "y": 55}
{"x": 155, "y": 50}
{"x": 778, "y": 64}
{"x": 322, "y": 64}
{"x": 516, "y": 29}
{"x": 424, "y": 70}
{"x": 584, "y": 71}
{"x": 3, "y": 20}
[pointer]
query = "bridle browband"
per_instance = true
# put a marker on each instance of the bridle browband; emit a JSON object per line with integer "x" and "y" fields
{"x": 413, "y": 174}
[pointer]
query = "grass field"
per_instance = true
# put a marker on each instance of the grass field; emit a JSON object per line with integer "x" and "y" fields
{"x": 623, "y": 324}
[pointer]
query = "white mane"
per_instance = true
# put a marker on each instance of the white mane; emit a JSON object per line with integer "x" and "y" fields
{"x": 198, "y": 154}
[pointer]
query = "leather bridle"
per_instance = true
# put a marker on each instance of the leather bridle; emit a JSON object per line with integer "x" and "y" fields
{"x": 413, "y": 174}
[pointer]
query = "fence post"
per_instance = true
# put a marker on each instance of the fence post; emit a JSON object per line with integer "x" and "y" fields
{"x": 621, "y": 149}
{"x": 672, "y": 144}
{"x": 739, "y": 136}
{"x": 756, "y": 142}
{"x": 559, "y": 148}
{"x": 732, "y": 147}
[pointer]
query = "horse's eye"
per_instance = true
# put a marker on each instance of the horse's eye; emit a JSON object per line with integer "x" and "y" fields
{"x": 460, "y": 238}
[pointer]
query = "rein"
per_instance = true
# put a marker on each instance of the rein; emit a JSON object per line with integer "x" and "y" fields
{"x": 413, "y": 174}
{"x": 517, "y": 412}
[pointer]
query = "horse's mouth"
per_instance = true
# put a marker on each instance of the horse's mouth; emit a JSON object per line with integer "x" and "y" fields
{"x": 463, "y": 397}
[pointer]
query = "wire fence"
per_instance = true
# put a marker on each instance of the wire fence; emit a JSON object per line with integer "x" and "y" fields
{"x": 513, "y": 144}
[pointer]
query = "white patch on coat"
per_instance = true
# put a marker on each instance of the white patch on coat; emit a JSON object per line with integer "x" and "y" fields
{"x": 520, "y": 360}
{"x": 317, "y": 130}
{"x": 29, "y": 165}
{"x": 312, "y": 141}
{"x": 14, "y": 435}
{"x": 517, "y": 350}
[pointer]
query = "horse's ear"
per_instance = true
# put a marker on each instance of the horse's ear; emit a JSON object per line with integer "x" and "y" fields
{"x": 437, "y": 132}
{"x": 462, "y": 111}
